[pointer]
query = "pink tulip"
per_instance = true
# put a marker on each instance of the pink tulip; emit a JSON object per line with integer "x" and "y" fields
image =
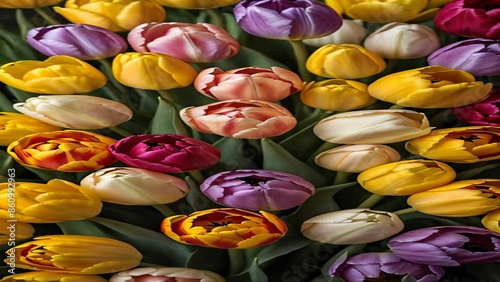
{"x": 251, "y": 119}
{"x": 485, "y": 112}
{"x": 256, "y": 83}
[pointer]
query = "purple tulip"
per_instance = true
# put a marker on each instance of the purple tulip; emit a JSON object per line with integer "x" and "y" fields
{"x": 486, "y": 112}
{"x": 383, "y": 267}
{"x": 169, "y": 153}
{"x": 255, "y": 189}
{"x": 287, "y": 19}
{"x": 479, "y": 57}
{"x": 448, "y": 245}
{"x": 85, "y": 42}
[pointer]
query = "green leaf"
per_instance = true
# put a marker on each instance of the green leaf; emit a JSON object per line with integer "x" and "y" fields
{"x": 82, "y": 227}
{"x": 198, "y": 260}
{"x": 236, "y": 154}
{"x": 20, "y": 95}
{"x": 246, "y": 57}
{"x": 166, "y": 120}
{"x": 6, "y": 163}
{"x": 14, "y": 48}
{"x": 256, "y": 274}
{"x": 196, "y": 199}
{"x": 283, "y": 247}
{"x": 408, "y": 278}
{"x": 6, "y": 104}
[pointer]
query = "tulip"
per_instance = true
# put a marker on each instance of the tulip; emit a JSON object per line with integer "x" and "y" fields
{"x": 476, "y": 56}
{"x": 225, "y": 228}
{"x": 152, "y": 71}
{"x": 168, "y": 153}
{"x": 115, "y": 15}
{"x": 372, "y": 126}
{"x": 429, "y": 87}
{"x": 56, "y": 201}
{"x": 356, "y": 158}
{"x": 351, "y": 32}
{"x": 485, "y": 112}
{"x": 468, "y": 144}
{"x": 76, "y": 254}
{"x": 470, "y": 18}
{"x": 26, "y": 4}
{"x": 125, "y": 186}
{"x": 354, "y": 226}
{"x": 383, "y": 267}
{"x": 447, "y": 245}
{"x": 11, "y": 232}
{"x": 492, "y": 221}
{"x": 347, "y": 61}
{"x": 47, "y": 276}
{"x": 251, "y": 119}
{"x": 336, "y": 95}
{"x": 459, "y": 198}
{"x": 406, "y": 177}
{"x": 336, "y": 5}
{"x": 68, "y": 151}
{"x": 193, "y": 43}
{"x": 14, "y": 126}
{"x": 56, "y": 75}
{"x": 286, "y": 19}
{"x": 256, "y": 189}
{"x": 272, "y": 84}
{"x": 402, "y": 41}
{"x": 166, "y": 274}
{"x": 196, "y": 4}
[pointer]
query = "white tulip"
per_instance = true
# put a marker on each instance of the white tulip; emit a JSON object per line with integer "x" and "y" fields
{"x": 166, "y": 274}
{"x": 351, "y": 32}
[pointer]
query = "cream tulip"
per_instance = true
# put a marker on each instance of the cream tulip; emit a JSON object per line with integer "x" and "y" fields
{"x": 351, "y": 32}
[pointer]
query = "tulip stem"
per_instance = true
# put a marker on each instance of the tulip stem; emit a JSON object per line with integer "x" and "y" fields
{"x": 164, "y": 210}
{"x": 341, "y": 177}
{"x": 395, "y": 107}
{"x": 215, "y": 17}
{"x": 120, "y": 131}
{"x": 236, "y": 261}
{"x": 46, "y": 16}
{"x": 301, "y": 55}
{"x": 405, "y": 211}
{"x": 196, "y": 175}
{"x": 370, "y": 201}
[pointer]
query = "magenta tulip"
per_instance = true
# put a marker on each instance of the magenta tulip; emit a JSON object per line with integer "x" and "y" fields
{"x": 486, "y": 112}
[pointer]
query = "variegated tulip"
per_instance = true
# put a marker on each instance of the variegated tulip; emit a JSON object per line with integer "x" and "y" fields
{"x": 27, "y": 4}
{"x": 492, "y": 220}
{"x": 12, "y": 232}
{"x": 145, "y": 274}
{"x": 48, "y": 276}
{"x": 14, "y": 126}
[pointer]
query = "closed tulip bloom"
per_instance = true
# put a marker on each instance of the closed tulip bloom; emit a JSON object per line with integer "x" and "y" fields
{"x": 492, "y": 221}
{"x": 152, "y": 71}
{"x": 250, "y": 119}
{"x": 459, "y": 199}
{"x": 125, "y": 186}
{"x": 336, "y": 95}
{"x": 354, "y": 226}
{"x": 56, "y": 75}
{"x": 76, "y": 254}
{"x": 351, "y": 32}
{"x": 193, "y": 43}
{"x": 406, "y": 177}
{"x": 476, "y": 56}
{"x": 47, "y": 276}
{"x": 470, "y": 18}
{"x": 447, "y": 245}
{"x": 11, "y": 232}
{"x": 256, "y": 189}
{"x": 167, "y": 153}
{"x": 403, "y": 41}
{"x": 145, "y": 274}
{"x": 196, "y": 4}
{"x": 85, "y": 42}
{"x": 347, "y": 61}
{"x": 385, "y": 266}
{"x": 468, "y": 144}
{"x": 68, "y": 151}
{"x": 27, "y": 4}
{"x": 287, "y": 19}
{"x": 225, "y": 228}
{"x": 115, "y": 15}
{"x": 429, "y": 87}
{"x": 356, "y": 158}
{"x": 372, "y": 126}
{"x": 14, "y": 126}
{"x": 485, "y": 112}
{"x": 56, "y": 201}
{"x": 266, "y": 84}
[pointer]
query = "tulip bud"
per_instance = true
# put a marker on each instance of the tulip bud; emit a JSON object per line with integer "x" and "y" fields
{"x": 356, "y": 158}
{"x": 125, "y": 186}
{"x": 250, "y": 119}
{"x": 192, "y": 43}
{"x": 56, "y": 201}
{"x": 152, "y": 71}
{"x": 347, "y": 61}
{"x": 492, "y": 221}
{"x": 26, "y": 4}
{"x": 469, "y": 144}
{"x": 485, "y": 112}
{"x": 351, "y": 32}
{"x": 355, "y": 226}
{"x": 372, "y": 127}
{"x": 459, "y": 198}
{"x": 76, "y": 254}
{"x": 12, "y": 231}
{"x": 166, "y": 274}
{"x": 15, "y": 126}
{"x": 336, "y": 95}
{"x": 406, "y": 177}
{"x": 56, "y": 75}
{"x": 429, "y": 87}
{"x": 48, "y": 276}
{"x": 75, "y": 112}
{"x": 225, "y": 228}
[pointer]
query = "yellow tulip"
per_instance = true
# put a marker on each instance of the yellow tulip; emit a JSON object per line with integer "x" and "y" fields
{"x": 459, "y": 199}
{"x": 14, "y": 126}
{"x": 336, "y": 95}
{"x": 56, "y": 75}
{"x": 27, "y": 4}
{"x": 10, "y": 232}
{"x": 348, "y": 61}
{"x": 152, "y": 71}
{"x": 196, "y": 4}
{"x": 336, "y": 5}
{"x": 76, "y": 254}
{"x": 47, "y": 276}
{"x": 56, "y": 201}
{"x": 492, "y": 221}
{"x": 406, "y": 177}
{"x": 115, "y": 15}
{"x": 468, "y": 144}
{"x": 429, "y": 87}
